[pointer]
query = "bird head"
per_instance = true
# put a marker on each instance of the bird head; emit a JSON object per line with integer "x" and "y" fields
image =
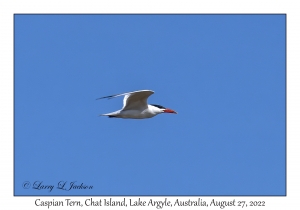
{"x": 162, "y": 109}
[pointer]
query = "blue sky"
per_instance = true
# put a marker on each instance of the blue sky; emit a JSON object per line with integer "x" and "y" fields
{"x": 223, "y": 74}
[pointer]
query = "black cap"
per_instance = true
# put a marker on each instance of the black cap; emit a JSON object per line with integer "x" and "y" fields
{"x": 158, "y": 106}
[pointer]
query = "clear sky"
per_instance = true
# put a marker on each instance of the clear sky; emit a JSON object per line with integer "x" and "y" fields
{"x": 223, "y": 74}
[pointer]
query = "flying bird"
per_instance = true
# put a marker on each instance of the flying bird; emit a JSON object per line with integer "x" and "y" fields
{"x": 135, "y": 106}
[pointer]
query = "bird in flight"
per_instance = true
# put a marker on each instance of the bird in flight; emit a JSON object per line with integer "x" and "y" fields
{"x": 135, "y": 106}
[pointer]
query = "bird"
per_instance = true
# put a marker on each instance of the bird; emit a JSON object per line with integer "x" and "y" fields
{"x": 135, "y": 106}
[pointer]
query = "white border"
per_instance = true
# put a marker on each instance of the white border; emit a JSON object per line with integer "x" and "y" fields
{"x": 8, "y": 8}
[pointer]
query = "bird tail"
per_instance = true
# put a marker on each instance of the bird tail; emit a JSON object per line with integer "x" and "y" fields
{"x": 110, "y": 115}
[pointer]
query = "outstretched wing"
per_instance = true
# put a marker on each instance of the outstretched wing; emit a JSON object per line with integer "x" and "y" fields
{"x": 137, "y": 100}
{"x": 134, "y": 100}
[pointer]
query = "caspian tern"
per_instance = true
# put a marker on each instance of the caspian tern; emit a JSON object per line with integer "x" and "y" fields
{"x": 135, "y": 106}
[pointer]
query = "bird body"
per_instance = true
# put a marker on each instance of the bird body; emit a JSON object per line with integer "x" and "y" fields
{"x": 135, "y": 106}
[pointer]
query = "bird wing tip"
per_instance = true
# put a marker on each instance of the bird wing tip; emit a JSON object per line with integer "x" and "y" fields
{"x": 108, "y": 97}
{"x": 113, "y": 96}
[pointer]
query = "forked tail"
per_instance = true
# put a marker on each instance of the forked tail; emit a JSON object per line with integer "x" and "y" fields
{"x": 111, "y": 114}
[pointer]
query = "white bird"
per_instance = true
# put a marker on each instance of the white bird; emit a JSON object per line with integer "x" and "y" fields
{"x": 135, "y": 106}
